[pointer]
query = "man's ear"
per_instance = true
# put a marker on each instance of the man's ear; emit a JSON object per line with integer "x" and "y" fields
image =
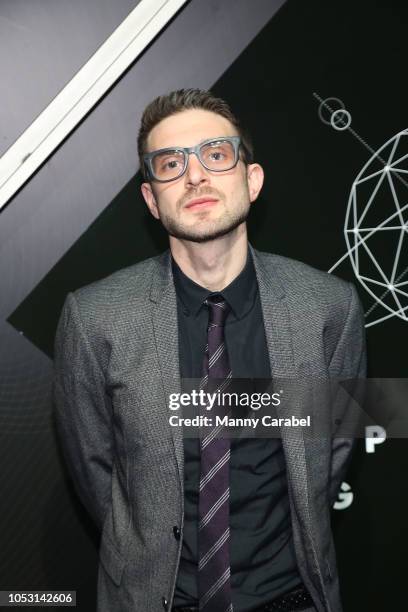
{"x": 148, "y": 195}
{"x": 255, "y": 178}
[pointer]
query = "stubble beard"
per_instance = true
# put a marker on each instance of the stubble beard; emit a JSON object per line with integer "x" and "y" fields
{"x": 220, "y": 227}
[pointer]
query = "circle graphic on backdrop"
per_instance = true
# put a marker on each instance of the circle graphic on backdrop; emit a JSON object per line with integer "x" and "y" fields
{"x": 376, "y": 226}
{"x": 340, "y": 119}
{"x": 333, "y": 112}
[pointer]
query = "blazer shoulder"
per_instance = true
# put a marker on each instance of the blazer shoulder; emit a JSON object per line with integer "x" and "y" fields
{"x": 312, "y": 293}
{"x": 118, "y": 284}
{"x": 104, "y": 302}
{"x": 321, "y": 305}
{"x": 298, "y": 278}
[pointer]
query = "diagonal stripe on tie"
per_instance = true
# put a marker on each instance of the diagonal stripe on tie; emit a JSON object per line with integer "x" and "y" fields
{"x": 207, "y": 478}
{"x": 217, "y": 585}
{"x": 214, "y": 549}
{"x": 209, "y": 437}
{"x": 213, "y": 510}
{"x": 218, "y": 353}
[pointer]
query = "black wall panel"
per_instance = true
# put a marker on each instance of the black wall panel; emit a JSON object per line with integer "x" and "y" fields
{"x": 356, "y": 53}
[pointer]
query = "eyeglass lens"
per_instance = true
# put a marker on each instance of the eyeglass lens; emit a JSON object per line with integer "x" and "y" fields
{"x": 218, "y": 155}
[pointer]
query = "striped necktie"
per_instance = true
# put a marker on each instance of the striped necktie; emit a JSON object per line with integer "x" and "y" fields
{"x": 214, "y": 585}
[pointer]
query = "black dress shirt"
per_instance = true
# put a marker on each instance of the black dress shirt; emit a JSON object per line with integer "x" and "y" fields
{"x": 262, "y": 556}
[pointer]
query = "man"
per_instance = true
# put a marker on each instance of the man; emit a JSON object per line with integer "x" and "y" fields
{"x": 210, "y": 523}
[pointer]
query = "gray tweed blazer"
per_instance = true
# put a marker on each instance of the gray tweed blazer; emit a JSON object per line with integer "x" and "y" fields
{"x": 116, "y": 361}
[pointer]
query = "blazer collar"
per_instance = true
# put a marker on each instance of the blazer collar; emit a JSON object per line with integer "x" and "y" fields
{"x": 268, "y": 277}
{"x": 274, "y": 308}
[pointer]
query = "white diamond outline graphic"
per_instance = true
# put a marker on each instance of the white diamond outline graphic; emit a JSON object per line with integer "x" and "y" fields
{"x": 353, "y": 230}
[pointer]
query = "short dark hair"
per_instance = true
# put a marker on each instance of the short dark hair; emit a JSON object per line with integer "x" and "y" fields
{"x": 183, "y": 99}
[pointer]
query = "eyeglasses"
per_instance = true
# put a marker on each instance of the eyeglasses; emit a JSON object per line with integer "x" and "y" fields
{"x": 215, "y": 154}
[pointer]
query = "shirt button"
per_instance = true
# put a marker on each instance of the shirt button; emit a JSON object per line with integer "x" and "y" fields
{"x": 165, "y": 603}
{"x": 176, "y": 532}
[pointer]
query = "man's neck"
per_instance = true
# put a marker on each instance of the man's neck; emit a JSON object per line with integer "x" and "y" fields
{"x": 212, "y": 264}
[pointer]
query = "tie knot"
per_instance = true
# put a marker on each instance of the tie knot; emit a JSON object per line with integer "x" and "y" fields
{"x": 218, "y": 309}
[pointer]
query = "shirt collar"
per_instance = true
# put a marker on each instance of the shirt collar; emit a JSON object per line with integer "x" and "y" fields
{"x": 240, "y": 293}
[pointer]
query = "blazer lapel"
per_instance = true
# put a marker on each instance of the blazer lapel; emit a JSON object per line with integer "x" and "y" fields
{"x": 281, "y": 354}
{"x": 165, "y": 326}
{"x": 298, "y": 444}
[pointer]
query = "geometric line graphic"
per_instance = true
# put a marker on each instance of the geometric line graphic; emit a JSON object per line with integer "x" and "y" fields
{"x": 390, "y": 207}
{"x": 376, "y": 221}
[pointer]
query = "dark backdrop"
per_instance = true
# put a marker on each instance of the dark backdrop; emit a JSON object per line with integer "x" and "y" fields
{"x": 354, "y": 51}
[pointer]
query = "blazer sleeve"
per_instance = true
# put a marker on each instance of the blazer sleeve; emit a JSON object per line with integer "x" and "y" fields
{"x": 82, "y": 412}
{"x": 348, "y": 361}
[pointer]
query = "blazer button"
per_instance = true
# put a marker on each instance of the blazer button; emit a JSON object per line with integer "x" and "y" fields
{"x": 176, "y": 532}
{"x": 165, "y": 603}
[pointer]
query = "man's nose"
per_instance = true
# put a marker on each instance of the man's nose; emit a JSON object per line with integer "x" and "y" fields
{"x": 195, "y": 173}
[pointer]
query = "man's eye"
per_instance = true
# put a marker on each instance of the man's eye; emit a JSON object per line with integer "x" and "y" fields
{"x": 170, "y": 164}
{"x": 217, "y": 155}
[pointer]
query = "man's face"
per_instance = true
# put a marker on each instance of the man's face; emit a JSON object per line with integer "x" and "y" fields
{"x": 231, "y": 192}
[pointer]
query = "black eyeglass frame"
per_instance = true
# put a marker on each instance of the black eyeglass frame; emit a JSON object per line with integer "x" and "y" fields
{"x": 147, "y": 157}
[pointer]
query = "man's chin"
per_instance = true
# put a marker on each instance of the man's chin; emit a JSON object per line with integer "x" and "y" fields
{"x": 204, "y": 234}
{"x": 200, "y": 237}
